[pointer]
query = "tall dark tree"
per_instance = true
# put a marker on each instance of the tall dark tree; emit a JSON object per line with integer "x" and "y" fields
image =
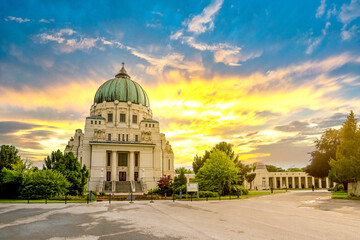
{"x": 346, "y": 167}
{"x": 326, "y": 148}
{"x": 180, "y": 179}
{"x": 55, "y": 156}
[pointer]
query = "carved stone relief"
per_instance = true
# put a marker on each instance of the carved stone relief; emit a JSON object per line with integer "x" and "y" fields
{"x": 146, "y": 136}
{"x": 99, "y": 134}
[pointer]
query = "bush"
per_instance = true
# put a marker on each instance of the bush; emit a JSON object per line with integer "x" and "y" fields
{"x": 331, "y": 189}
{"x": 68, "y": 197}
{"x": 204, "y": 194}
{"x": 339, "y": 187}
{"x": 154, "y": 191}
{"x": 182, "y": 188}
{"x": 235, "y": 189}
{"x": 44, "y": 183}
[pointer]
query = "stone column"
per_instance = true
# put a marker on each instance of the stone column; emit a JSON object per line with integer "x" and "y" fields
{"x": 131, "y": 166}
{"x": 300, "y": 183}
{"x": 320, "y": 183}
{"x": 281, "y": 186}
{"x": 113, "y": 170}
{"x": 306, "y": 182}
{"x": 293, "y": 182}
{"x": 274, "y": 182}
{"x": 327, "y": 182}
{"x": 313, "y": 181}
{"x": 287, "y": 182}
{"x": 113, "y": 166}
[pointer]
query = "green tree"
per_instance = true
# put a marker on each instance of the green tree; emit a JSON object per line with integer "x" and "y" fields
{"x": 11, "y": 173}
{"x": 218, "y": 173}
{"x": 8, "y": 156}
{"x": 44, "y": 183}
{"x": 223, "y": 147}
{"x": 50, "y": 161}
{"x": 250, "y": 178}
{"x": 295, "y": 169}
{"x": 200, "y": 161}
{"x": 272, "y": 168}
{"x": 70, "y": 167}
{"x": 346, "y": 167}
{"x": 326, "y": 148}
{"x": 13, "y": 179}
{"x": 243, "y": 169}
{"x": 180, "y": 179}
{"x": 186, "y": 171}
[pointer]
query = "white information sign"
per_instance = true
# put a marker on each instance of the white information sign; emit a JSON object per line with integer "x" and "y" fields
{"x": 192, "y": 187}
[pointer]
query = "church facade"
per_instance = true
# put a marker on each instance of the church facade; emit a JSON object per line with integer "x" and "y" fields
{"x": 122, "y": 145}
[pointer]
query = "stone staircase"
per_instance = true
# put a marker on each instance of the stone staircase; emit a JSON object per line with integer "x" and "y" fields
{"x": 122, "y": 187}
{"x": 138, "y": 187}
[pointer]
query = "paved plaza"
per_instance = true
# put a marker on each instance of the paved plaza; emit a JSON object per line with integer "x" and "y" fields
{"x": 292, "y": 215}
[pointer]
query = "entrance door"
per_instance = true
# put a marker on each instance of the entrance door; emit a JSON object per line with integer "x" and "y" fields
{"x": 122, "y": 176}
{"x": 136, "y": 176}
{"x": 108, "y": 176}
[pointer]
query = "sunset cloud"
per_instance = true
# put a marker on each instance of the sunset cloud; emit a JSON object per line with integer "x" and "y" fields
{"x": 252, "y": 74}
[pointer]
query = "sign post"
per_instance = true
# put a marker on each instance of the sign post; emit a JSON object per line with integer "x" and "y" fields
{"x": 192, "y": 187}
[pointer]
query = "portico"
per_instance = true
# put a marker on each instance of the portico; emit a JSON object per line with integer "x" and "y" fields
{"x": 282, "y": 180}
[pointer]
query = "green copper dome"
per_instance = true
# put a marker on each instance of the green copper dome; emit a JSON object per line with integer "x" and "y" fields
{"x": 123, "y": 89}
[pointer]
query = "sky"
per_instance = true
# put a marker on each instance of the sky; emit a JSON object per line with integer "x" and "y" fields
{"x": 266, "y": 76}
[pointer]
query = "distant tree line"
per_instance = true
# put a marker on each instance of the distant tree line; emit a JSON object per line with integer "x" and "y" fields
{"x": 61, "y": 174}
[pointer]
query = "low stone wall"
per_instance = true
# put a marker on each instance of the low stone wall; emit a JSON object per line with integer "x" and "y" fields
{"x": 354, "y": 187}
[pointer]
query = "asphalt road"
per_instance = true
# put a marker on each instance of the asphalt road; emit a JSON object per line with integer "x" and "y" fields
{"x": 292, "y": 215}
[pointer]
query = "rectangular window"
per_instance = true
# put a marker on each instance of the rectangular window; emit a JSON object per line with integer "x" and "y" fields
{"x": 95, "y": 122}
{"x": 110, "y": 117}
{"x": 153, "y": 125}
{"x": 92, "y": 122}
{"x": 109, "y": 136}
{"x": 122, "y": 159}
{"x": 99, "y": 122}
{"x": 123, "y": 137}
{"x": 169, "y": 164}
{"x": 134, "y": 120}
{"x": 136, "y": 138}
{"x": 119, "y": 137}
{"x": 122, "y": 117}
{"x": 108, "y": 176}
{"x": 127, "y": 137}
{"x": 108, "y": 159}
{"x": 145, "y": 124}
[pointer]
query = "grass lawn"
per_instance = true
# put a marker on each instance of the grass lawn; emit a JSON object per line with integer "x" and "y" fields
{"x": 250, "y": 194}
{"x": 39, "y": 201}
{"x": 343, "y": 195}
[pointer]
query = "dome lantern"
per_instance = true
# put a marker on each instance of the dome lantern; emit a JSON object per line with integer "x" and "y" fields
{"x": 122, "y": 73}
{"x": 123, "y": 89}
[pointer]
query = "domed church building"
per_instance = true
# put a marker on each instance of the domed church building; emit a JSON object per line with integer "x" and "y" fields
{"x": 121, "y": 144}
